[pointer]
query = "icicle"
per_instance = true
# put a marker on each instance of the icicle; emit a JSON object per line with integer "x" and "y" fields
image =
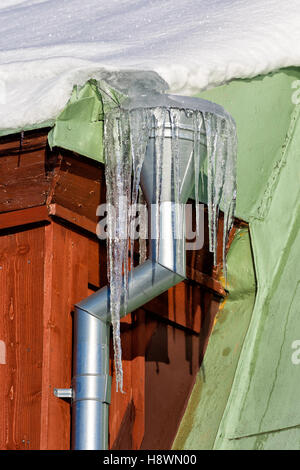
{"x": 174, "y": 121}
{"x": 143, "y": 228}
{"x": 125, "y": 139}
{"x": 218, "y": 181}
{"x": 221, "y": 175}
{"x": 197, "y": 117}
{"x": 118, "y": 181}
{"x": 160, "y": 115}
{"x": 140, "y": 122}
{"x": 229, "y": 187}
{"x": 126, "y": 135}
{"x": 211, "y": 140}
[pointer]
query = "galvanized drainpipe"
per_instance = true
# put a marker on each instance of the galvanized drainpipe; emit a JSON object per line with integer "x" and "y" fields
{"x": 91, "y": 383}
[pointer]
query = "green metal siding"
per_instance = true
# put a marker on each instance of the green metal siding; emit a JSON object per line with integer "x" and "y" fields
{"x": 206, "y": 406}
{"x": 265, "y": 393}
{"x": 261, "y": 409}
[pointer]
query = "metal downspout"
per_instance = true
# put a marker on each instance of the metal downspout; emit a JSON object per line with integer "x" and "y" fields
{"x": 91, "y": 383}
{"x": 164, "y": 269}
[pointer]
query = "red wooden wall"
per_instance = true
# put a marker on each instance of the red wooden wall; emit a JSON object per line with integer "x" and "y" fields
{"x": 50, "y": 259}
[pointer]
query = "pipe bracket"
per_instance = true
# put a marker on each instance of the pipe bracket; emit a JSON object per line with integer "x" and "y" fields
{"x": 63, "y": 393}
{"x": 92, "y": 387}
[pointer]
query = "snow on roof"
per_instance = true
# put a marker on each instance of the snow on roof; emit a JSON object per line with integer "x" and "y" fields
{"x": 47, "y": 46}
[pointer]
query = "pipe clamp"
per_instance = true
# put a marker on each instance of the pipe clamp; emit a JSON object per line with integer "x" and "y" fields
{"x": 91, "y": 387}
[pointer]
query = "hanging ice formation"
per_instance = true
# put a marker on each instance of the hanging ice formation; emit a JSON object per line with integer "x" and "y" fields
{"x": 126, "y": 133}
{"x": 221, "y": 143}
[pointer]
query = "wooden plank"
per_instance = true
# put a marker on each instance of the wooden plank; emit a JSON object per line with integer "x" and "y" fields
{"x": 23, "y": 217}
{"x": 69, "y": 285}
{"x": 21, "y": 307}
{"x": 207, "y": 281}
{"x": 46, "y": 375}
{"x": 72, "y": 217}
{"x": 60, "y": 331}
{"x": 29, "y": 193}
{"x": 81, "y": 185}
{"x": 97, "y": 262}
{"x": 25, "y": 170}
{"x": 13, "y": 144}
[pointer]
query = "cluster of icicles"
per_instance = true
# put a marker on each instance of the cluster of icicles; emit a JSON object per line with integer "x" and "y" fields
{"x": 126, "y": 134}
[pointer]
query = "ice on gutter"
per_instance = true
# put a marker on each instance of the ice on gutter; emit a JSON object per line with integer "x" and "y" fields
{"x": 126, "y": 138}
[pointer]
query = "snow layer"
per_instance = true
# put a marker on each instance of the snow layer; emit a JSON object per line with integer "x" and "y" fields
{"x": 47, "y": 46}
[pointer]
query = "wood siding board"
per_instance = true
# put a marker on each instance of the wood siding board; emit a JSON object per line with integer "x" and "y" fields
{"x": 23, "y": 217}
{"x": 35, "y": 140}
{"x": 21, "y": 279}
{"x": 72, "y": 217}
{"x": 26, "y": 170}
{"x": 69, "y": 285}
{"x": 46, "y": 380}
{"x": 81, "y": 186}
{"x": 60, "y": 326}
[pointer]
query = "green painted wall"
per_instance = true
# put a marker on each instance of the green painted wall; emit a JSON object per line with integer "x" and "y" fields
{"x": 255, "y": 406}
{"x": 265, "y": 394}
{"x": 206, "y": 406}
{"x": 262, "y": 109}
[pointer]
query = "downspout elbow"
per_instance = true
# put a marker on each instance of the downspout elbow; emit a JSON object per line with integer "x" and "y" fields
{"x": 147, "y": 281}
